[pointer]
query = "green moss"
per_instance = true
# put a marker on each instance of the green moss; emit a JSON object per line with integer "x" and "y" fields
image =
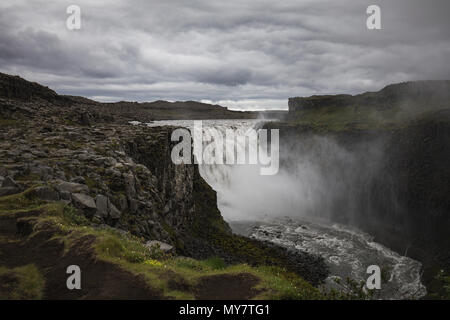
{"x": 350, "y": 290}
{"x": 207, "y": 219}
{"x": 279, "y": 284}
{"x": 73, "y": 216}
{"x": 91, "y": 183}
{"x": 24, "y": 282}
{"x": 215, "y": 263}
{"x": 173, "y": 235}
{"x": 176, "y": 277}
{"x": 124, "y": 247}
{"x": 20, "y": 201}
{"x": 341, "y": 118}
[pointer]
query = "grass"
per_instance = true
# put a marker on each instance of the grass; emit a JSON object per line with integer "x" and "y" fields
{"x": 215, "y": 263}
{"x": 165, "y": 272}
{"x": 176, "y": 277}
{"x": 21, "y": 283}
{"x": 22, "y": 201}
{"x": 334, "y": 118}
{"x": 172, "y": 273}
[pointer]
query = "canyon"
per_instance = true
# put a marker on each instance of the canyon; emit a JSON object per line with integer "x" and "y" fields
{"x": 76, "y": 171}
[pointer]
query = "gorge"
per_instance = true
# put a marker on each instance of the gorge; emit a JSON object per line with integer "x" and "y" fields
{"x": 298, "y": 208}
{"x": 364, "y": 181}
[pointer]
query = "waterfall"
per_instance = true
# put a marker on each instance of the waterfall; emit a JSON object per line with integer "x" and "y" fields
{"x": 302, "y": 189}
{"x": 241, "y": 189}
{"x": 233, "y": 183}
{"x": 317, "y": 177}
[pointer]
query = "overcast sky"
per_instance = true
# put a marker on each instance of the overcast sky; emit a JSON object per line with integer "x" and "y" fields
{"x": 241, "y": 54}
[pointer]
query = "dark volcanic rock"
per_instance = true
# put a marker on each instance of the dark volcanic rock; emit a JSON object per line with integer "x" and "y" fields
{"x": 8, "y": 182}
{"x": 14, "y": 87}
{"x": 85, "y": 203}
{"x": 102, "y": 204}
{"x": 403, "y": 93}
{"x": 71, "y": 187}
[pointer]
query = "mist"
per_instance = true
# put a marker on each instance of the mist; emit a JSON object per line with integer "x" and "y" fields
{"x": 319, "y": 178}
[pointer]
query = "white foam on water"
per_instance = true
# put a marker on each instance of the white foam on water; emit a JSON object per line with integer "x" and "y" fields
{"x": 348, "y": 253}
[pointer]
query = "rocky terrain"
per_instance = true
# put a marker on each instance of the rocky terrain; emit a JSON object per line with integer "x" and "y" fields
{"x": 80, "y": 185}
{"x": 423, "y": 94}
{"x": 87, "y": 111}
{"x": 72, "y": 169}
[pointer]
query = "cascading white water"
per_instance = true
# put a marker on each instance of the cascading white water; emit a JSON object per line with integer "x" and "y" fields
{"x": 240, "y": 187}
{"x": 243, "y": 194}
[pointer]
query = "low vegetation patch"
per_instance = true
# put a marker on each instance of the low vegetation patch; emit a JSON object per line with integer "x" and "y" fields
{"x": 22, "y": 283}
{"x": 339, "y": 118}
{"x": 176, "y": 277}
{"x": 21, "y": 201}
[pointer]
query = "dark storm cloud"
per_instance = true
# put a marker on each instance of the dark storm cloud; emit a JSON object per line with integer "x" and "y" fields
{"x": 224, "y": 76}
{"x": 243, "y": 54}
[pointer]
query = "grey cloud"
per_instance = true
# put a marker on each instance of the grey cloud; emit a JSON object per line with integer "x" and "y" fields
{"x": 249, "y": 52}
{"x": 225, "y": 76}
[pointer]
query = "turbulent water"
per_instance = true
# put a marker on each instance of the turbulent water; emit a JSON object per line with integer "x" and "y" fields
{"x": 246, "y": 195}
{"x": 347, "y": 253}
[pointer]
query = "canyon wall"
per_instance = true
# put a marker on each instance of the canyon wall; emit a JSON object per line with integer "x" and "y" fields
{"x": 380, "y": 163}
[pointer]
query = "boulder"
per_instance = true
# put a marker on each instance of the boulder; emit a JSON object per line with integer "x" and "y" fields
{"x": 84, "y": 202}
{"x": 78, "y": 179}
{"x": 102, "y": 203}
{"x": 72, "y": 187}
{"x": 106, "y": 208}
{"x": 113, "y": 211}
{"x": 8, "y": 182}
{"x": 155, "y": 244}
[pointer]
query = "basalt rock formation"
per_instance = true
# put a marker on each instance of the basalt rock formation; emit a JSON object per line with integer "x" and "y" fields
{"x": 422, "y": 93}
